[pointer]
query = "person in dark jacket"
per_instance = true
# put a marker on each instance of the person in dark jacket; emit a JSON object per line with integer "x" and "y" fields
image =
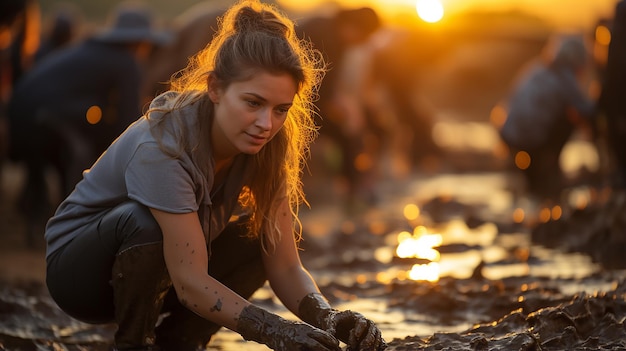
{"x": 70, "y": 106}
{"x": 546, "y": 106}
{"x": 613, "y": 95}
{"x": 19, "y": 24}
{"x": 62, "y": 32}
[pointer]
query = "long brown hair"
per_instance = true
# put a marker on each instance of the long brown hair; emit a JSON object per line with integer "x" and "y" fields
{"x": 254, "y": 37}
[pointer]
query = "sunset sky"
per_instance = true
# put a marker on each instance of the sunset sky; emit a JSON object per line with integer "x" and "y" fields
{"x": 566, "y": 14}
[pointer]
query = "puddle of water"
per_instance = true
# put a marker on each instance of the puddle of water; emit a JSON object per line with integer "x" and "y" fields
{"x": 504, "y": 255}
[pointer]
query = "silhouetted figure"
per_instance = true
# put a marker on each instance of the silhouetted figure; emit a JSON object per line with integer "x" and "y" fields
{"x": 333, "y": 36}
{"x": 61, "y": 33}
{"x": 192, "y": 30}
{"x": 19, "y": 22}
{"x": 75, "y": 102}
{"x": 398, "y": 63}
{"x": 612, "y": 101}
{"x": 543, "y": 111}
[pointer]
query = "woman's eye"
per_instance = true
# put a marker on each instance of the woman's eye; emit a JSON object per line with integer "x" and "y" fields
{"x": 253, "y": 103}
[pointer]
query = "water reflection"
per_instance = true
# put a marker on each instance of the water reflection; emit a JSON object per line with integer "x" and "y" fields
{"x": 420, "y": 245}
{"x": 450, "y": 248}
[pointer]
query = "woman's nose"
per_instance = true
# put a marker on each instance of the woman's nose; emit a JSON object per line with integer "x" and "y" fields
{"x": 264, "y": 119}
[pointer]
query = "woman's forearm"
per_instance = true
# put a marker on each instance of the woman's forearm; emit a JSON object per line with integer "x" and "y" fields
{"x": 291, "y": 285}
{"x": 212, "y": 300}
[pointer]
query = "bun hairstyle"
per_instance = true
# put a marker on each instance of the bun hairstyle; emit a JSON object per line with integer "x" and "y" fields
{"x": 248, "y": 19}
{"x": 253, "y": 37}
{"x": 257, "y": 38}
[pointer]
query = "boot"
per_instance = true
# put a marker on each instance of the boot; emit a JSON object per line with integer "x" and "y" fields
{"x": 140, "y": 282}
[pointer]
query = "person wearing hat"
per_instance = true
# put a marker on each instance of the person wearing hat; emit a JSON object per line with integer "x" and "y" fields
{"x": 73, "y": 103}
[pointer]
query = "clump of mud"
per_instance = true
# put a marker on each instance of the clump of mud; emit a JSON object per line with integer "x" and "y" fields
{"x": 584, "y": 322}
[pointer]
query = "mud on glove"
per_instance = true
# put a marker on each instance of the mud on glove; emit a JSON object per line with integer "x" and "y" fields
{"x": 279, "y": 334}
{"x": 358, "y": 332}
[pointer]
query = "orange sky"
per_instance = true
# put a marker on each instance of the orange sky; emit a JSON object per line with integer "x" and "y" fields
{"x": 565, "y": 14}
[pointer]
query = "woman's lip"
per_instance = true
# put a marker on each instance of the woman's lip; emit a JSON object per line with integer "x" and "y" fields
{"x": 259, "y": 138}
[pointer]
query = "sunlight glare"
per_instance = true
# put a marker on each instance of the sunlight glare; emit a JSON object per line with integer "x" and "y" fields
{"x": 421, "y": 247}
{"x": 428, "y": 272}
{"x": 430, "y": 11}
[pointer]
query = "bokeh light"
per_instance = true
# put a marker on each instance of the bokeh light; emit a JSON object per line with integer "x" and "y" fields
{"x": 94, "y": 115}
{"x": 522, "y": 160}
{"x": 411, "y": 212}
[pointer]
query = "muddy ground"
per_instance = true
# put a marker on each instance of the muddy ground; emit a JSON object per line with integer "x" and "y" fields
{"x": 515, "y": 312}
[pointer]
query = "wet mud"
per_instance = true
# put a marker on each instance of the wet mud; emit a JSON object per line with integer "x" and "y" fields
{"x": 516, "y": 312}
{"x": 539, "y": 317}
{"x": 598, "y": 230}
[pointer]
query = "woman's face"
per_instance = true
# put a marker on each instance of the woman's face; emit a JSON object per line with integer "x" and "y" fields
{"x": 249, "y": 113}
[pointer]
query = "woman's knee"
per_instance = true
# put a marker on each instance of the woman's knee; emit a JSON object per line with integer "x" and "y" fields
{"x": 133, "y": 225}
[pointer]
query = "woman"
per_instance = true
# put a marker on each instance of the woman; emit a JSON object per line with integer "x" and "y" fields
{"x": 201, "y": 194}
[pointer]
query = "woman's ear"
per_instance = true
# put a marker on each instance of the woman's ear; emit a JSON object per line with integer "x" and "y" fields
{"x": 213, "y": 88}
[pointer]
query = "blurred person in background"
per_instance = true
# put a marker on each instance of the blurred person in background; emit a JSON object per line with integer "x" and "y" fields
{"x": 20, "y": 22}
{"x": 194, "y": 207}
{"x": 545, "y": 107}
{"x": 339, "y": 120}
{"x": 191, "y": 30}
{"x": 612, "y": 101}
{"x": 399, "y": 59}
{"x": 74, "y": 102}
{"x": 60, "y": 32}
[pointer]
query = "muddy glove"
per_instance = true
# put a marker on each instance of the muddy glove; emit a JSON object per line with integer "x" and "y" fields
{"x": 279, "y": 334}
{"x": 358, "y": 332}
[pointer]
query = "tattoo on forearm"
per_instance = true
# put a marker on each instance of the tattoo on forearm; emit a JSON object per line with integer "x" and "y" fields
{"x": 217, "y": 307}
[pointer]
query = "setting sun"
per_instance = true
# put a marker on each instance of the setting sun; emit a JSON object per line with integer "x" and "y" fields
{"x": 430, "y": 11}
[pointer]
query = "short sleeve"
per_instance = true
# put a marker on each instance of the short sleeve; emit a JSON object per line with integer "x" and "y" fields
{"x": 160, "y": 181}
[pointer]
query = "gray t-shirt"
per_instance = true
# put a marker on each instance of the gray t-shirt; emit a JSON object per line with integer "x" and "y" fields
{"x": 135, "y": 168}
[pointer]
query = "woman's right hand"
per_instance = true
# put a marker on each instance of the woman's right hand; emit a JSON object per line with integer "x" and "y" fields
{"x": 280, "y": 334}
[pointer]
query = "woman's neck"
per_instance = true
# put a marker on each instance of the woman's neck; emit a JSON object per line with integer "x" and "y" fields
{"x": 221, "y": 169}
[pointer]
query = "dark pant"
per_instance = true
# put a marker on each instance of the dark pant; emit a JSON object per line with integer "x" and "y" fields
{"x": 80, "y": 279}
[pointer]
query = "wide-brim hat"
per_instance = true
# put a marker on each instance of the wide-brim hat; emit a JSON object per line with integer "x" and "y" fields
{"x": 133, "y": 25}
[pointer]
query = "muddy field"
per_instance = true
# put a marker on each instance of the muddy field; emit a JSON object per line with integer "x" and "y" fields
{"x": 501, "y": 285}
